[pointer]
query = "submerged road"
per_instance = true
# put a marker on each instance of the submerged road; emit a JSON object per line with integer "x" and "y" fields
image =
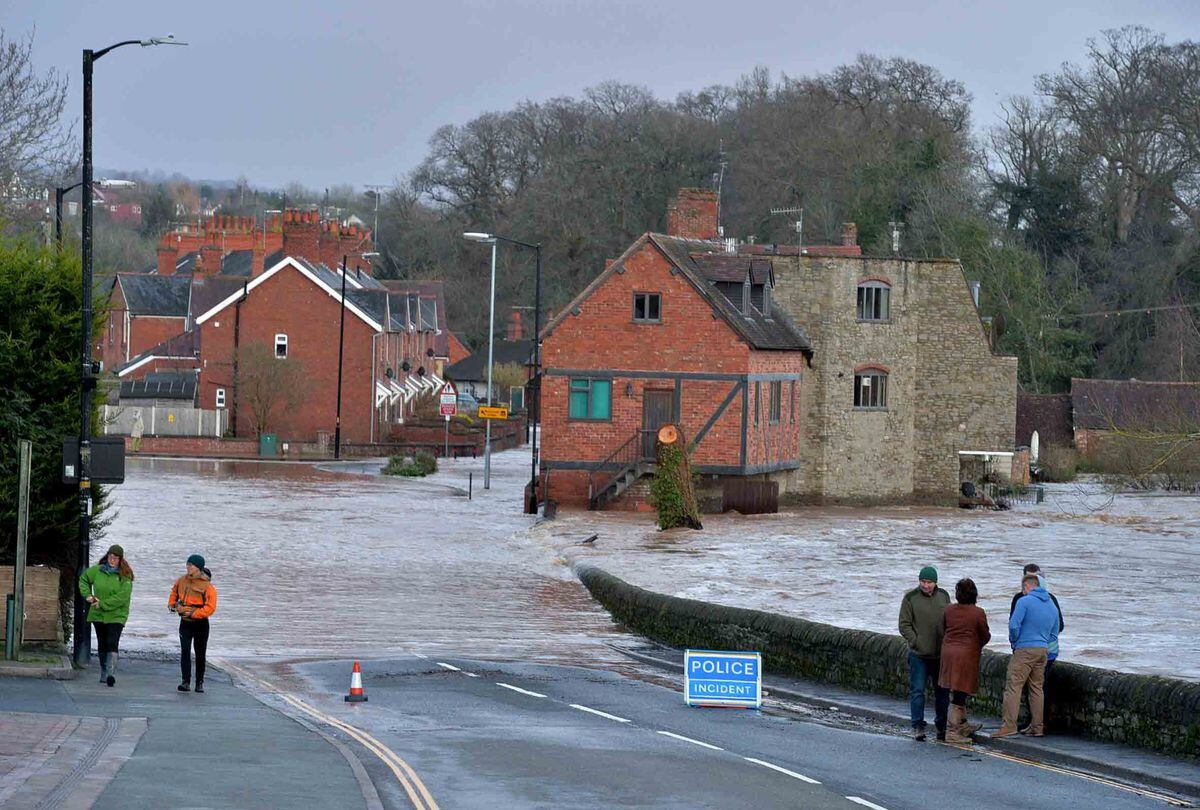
{"x": 450, "y": 732}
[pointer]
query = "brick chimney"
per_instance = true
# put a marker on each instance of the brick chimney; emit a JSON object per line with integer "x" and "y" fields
{"x": 516, "y": 329}
{"x": 692, "y": 214}
{"x": 849, "y": 234}
{"x": 301, "y": 234}
{"x": 167, "y": 256}
{"x": 257, "y": 257}
{"x": 210, "y": 260}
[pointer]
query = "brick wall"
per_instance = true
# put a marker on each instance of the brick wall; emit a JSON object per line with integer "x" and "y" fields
{"x": 289, "y": 303}
{"x": 195, "y": 446}
{"x": 147, "y": 331}
{"x": 945, "y": 391}
{"x": 692, "y": 214}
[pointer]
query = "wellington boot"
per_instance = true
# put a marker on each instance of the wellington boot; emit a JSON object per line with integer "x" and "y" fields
{"x": 958, "y": 731}
{"x": 111, "y": 680}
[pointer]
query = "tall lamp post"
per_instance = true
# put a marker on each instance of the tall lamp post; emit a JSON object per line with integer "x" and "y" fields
{"x": 88, "y": 373}
{"x": 537, "y": 358}
{"x": 337, "y": 425}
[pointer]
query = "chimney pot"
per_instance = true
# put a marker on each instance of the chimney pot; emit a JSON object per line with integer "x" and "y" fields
{"x": 849, "y": 234}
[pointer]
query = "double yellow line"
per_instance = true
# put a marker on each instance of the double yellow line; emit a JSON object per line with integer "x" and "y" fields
{"x": 418, "y": 794}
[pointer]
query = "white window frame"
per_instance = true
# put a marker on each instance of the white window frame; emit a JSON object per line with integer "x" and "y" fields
{"x": 872, "y": 294}
{"x": 281, "y": 340}
{"x": 220, "y": 398}
{"x": 874, "y": 393}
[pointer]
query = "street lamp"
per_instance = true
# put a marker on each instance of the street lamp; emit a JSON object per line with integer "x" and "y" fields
{"x": 537, "y": 367}
{"x": 60, "y": 192}
{"x": 88, "y": 374}
{"x": 337, "y": 425}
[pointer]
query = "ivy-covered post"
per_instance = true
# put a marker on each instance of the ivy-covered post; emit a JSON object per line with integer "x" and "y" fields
{"x": 673, "y": 490}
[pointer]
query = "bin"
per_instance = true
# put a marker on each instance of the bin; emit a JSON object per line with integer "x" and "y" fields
{"x": 268, "y": 445}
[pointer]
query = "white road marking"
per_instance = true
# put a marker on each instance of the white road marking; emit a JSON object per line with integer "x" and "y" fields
{"x": 598, "y": 713}
{"x": 689, "y": 739}
{"x": 470, "y": 674}
{"x": 865, "y": 803}
{"x": 519, "y": 689}
{"x": 792, "y": 774}
{"x": 418, "y": 655}
{"x": 450, "y": 667}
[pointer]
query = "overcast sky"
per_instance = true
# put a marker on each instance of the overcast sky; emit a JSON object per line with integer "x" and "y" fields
{"x": 349, "y": 92}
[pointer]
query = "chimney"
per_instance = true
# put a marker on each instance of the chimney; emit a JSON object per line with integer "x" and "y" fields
{"x": 692, "y": 214}
{"x": 257, "y": 257}
{"x": 849, "y": 234}
{"x": 515, "y": 331}
{"x": 210, "y": 260}
{"x": 167, "y": 256}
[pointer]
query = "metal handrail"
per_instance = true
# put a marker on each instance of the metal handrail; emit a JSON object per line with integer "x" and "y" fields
{"x": 627, "y": 455}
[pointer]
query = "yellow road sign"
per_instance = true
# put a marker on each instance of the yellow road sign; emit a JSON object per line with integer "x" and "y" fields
{"x": 488, "y": 412}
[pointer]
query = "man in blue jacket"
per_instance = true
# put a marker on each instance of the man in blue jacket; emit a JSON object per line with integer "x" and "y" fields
{"x": 1031, "y": 628}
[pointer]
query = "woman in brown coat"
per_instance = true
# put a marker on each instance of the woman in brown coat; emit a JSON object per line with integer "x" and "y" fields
{"x": 964, "y": 632}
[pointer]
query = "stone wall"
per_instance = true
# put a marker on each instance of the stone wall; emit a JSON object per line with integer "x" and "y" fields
{"x": 1162, "y": 714}
{"x": 946, "y": 390}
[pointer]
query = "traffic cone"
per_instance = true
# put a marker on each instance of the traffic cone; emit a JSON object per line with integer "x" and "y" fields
{"x": 356, "y": 691}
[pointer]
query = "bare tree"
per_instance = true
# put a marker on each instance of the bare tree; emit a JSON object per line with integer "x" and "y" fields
{"x": 34, "y": 145}
{"x": 268, "y": 385}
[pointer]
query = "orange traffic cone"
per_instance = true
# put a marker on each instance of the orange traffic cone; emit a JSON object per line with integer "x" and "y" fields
{"x": 356, "y": 691}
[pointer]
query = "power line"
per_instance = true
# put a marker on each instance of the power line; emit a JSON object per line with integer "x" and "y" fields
{"x": 1104, "y": 313}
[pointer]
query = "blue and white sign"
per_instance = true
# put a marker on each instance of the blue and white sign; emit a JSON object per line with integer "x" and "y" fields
{"x": 713, "y": 678}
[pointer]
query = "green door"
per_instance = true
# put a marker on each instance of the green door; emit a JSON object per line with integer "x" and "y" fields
{"x": 268, "y": 445}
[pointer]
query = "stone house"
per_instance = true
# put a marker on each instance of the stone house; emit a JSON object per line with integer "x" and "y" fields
{"x": 884, "y": 376}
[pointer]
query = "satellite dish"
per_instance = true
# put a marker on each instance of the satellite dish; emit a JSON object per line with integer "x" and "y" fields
{"x": 421, "y": 371}
{"x": 429, "y": 352}
{"x": 406, "y": 366}
{"x": 390, "y": 374}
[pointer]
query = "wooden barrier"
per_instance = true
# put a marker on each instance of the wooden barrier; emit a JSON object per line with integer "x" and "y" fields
{"x": 42, "y": 621}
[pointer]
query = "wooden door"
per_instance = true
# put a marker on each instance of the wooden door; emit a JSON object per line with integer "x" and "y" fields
{"x": 658, "y": 409}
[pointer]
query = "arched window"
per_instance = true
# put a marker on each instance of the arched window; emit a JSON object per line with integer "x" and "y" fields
{"x": 874, "y": 300}
{"x": 870, "y": 387}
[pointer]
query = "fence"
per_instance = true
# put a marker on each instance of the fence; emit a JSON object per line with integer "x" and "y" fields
{"x": 119, "y": 420}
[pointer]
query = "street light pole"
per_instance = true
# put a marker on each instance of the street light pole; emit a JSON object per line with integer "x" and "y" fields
{"x": 337, "y": 427}
{"x": 537, "y": 378}
{"x": 487, "y": 448}
{"x": 82, "y": 637}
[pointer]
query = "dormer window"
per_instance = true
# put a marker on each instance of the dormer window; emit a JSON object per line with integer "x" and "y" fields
{"x": 874, "y": 300}
{"x": 647, "y": 307}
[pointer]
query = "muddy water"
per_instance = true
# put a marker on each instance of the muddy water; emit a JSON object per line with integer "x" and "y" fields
{"x": 1125, "y": 568}
{"x": 310, "y": 562}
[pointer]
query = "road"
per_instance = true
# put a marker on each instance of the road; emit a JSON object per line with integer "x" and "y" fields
{"x": 487, "y": 734}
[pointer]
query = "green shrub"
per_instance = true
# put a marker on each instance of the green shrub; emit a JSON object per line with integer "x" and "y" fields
{"x": 418, "y": 466}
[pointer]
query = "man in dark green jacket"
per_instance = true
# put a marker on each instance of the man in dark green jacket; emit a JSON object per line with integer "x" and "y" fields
{"x": 920, "y": 612}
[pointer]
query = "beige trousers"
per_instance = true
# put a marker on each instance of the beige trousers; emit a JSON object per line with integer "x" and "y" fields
{"x": 1027, "y": 666}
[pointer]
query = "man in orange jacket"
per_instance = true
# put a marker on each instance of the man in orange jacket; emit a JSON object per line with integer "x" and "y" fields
{"x": 194, "y": 598}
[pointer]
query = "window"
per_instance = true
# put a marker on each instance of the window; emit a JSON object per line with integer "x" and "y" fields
{"x": 874, "y": 301}
{"x": 590, "y": 399}
{"x": 516, "y": 397}
{"x": 220, "y": 397}
{"x": 757, "y": 402}
{"x": 870, "y": 389}
{"x": 281, "y": 346}
{"x": 647, "y": 307}
{"x": 775, "y": 412}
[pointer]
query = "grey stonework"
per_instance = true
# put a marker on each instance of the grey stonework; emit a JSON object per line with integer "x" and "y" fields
{"x": 946, "y": 391}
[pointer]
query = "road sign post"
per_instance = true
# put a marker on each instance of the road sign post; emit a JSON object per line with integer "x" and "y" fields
{"x": 448, "y": 406}
{"x": 713, "y": 678}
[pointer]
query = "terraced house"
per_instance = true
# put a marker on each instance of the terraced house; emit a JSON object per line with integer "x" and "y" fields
{"x": 836, "y": 376}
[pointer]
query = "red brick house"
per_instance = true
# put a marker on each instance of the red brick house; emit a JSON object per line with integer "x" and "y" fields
{"x": 673, "y": 331}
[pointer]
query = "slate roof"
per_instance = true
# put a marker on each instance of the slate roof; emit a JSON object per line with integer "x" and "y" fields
{"x": 421, "y": 305}
{"x": 208, "y": 291}
{"x": 1136, "y": 405}
{"x": 185, "y": 345}
{"x": 155, "y": 295}
{"x": 238, "y": 263}
{"x": 705, "y": 264}
{"x": 474, "y": 367}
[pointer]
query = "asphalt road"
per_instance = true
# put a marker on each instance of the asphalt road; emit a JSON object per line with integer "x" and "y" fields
{"x": 513, "y": 735}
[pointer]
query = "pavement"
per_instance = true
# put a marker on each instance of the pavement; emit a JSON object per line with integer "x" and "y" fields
{"x": 456, "y": 732}
{"x": 142, "y": 744}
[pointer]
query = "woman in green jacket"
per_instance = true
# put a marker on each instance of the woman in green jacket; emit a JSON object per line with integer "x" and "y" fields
{"x": 107, "y": 587}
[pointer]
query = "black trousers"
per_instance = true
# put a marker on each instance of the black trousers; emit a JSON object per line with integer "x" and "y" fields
{"x": 108, "y": 639}
{"x": 193, "y": 633}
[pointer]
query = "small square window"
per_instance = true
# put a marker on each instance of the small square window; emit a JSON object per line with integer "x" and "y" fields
{"x": 281, "y": 346}
{"x": 590, "y": 399}
{"x": 220, "y": 397}
{"x": 647, "y": 307}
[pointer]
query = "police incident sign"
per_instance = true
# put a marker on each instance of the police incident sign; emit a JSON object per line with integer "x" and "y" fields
{"x": 713, "y": 678}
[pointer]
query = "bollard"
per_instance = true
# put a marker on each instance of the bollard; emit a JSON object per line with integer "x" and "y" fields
{"x": 10, "y": 627}
{"x": 470, "y": 484}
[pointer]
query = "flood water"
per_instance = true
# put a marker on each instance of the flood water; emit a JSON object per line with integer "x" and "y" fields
{"x": 310, "y": 562}
{"x": 1126, "y": 568}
